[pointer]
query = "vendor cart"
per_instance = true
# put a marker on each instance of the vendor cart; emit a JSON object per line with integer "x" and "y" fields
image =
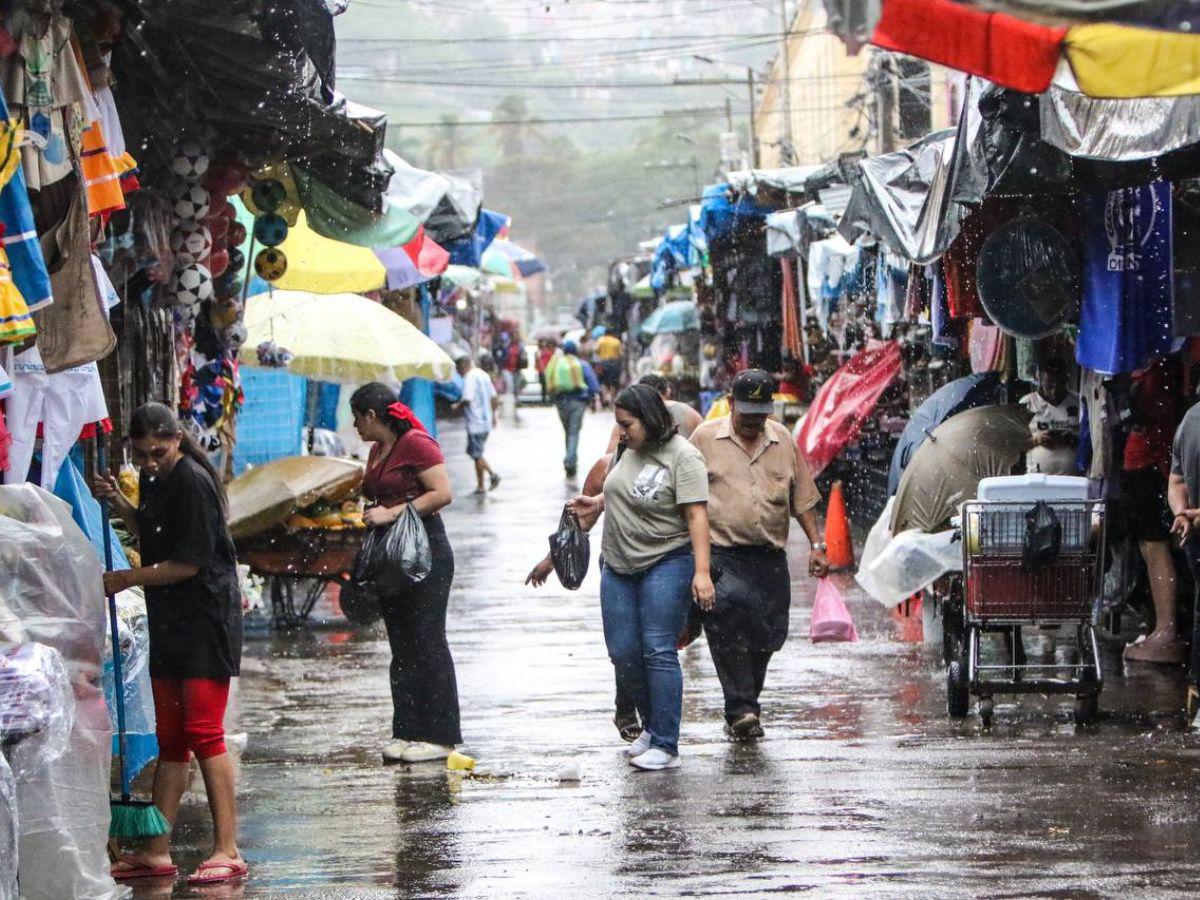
{"x": 1002, "y": 593}
{"x": 298, "y": 563}
{"x": 298, "y": 567}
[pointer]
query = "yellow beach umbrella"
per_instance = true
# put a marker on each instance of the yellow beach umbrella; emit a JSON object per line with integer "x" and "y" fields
{"x": 343, "y": 338}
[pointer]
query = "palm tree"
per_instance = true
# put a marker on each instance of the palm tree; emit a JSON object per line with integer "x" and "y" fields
{"x": 444, "y": 143}
{"x": 513, "y": 125}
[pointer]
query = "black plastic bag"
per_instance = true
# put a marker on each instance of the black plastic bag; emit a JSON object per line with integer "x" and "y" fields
{"x": 360, "y": 603}
{"x": 395, "y": 557}
{"x": 1043, "y": 538}
{"x": 570, "y": 551}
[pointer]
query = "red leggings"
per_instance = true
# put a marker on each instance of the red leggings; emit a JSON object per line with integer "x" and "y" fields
{"x": 190, "y": 713}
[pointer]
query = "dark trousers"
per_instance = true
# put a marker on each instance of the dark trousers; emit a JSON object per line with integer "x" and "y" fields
{"x": 1192, "y": 549}
{"x": 741, "y": 672}
{"x": 424, "y": 686}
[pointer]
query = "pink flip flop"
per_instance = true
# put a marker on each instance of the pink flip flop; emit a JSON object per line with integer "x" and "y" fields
{"x": 137, "y": 870}
{"x": 218, "y": 872}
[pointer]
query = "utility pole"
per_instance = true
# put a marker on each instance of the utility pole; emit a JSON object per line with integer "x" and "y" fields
{"x": 753, "y": 125}
{"x": 728, "y": 114}
{"x": 885, "y": 94}
{"x": 789, "y": 147}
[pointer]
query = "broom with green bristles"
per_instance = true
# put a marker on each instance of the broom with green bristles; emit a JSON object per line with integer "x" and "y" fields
{"x": 130, "y": 818}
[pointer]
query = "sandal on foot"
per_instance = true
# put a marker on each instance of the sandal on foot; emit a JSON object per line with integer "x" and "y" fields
{"x": 135, "y": 869}
{"x": 217, "y": 872}
{"x": 1165, "y": 652}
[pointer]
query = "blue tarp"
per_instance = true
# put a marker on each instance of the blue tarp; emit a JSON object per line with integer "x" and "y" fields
{"x": 272, "y": 419}
{"x": 468, "y": 251}
{"x": 720, "y": 218}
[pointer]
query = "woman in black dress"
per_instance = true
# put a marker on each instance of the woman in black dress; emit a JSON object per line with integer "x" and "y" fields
{"x": 194, "y": 608}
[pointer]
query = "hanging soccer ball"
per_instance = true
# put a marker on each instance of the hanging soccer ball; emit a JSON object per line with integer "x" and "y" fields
{"x": 270, "y": 230}
{"x": 218, "y": 261}
{"x": 270, "y": 264}
{"x": 235, "y": 335}
{"x": 190, "y": 161}
{"x": 268, "y": 194}
{"x": 236, "y": 235}
{"x": 191, "y": 285}
{"x": 190, "y": 242}
{"x": 190, "y": 202}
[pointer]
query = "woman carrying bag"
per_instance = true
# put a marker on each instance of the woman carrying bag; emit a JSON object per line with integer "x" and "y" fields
{"x": 655, "y": 562}
{"x": 194, "y": 610}
{"x": 406, "y": 467}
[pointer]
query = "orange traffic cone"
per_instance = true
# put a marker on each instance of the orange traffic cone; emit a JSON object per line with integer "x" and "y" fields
{"x": 838, "y": 547}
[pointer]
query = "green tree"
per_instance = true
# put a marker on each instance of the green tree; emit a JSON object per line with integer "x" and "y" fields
{"x": 513, "y": 126}
{"x": 444, "y": 144}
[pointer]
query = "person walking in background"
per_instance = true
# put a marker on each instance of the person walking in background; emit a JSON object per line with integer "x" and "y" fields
{"x": 546, "y": 351}
{"x": 685, "y": 418}
{"x": 479, "y": 401}
{"x": 757, "y": 479}
{"x": 573, "y": 386}
{"x": 405, "y": 467}
{"x": 608, "y": 363}
{"x": 194, "y": 608}
{"x": 655, "y": 561}
{"x": 626, "y": 716}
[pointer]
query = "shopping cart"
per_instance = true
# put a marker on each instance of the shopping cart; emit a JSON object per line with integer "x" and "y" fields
{"x": 1000, "y": 596}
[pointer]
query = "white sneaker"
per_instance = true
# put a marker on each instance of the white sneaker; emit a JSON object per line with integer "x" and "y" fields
{"x": 419, "y": 751}
{"x": 654, "y": 759}
{"x": 393, "y": 751}
{"x": 640, "y": 744}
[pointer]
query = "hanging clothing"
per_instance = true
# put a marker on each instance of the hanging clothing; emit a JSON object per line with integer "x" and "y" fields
{"x": 945, "y": 334}
{"x": 986, "y": 347}
{"x": 790, "y": 314}
{"x": 891, "y": 286}
{"x": 20, "y": 239}
{"x": 1099, "y": 421}
{"x": 1127, "y": 283}
{"x": 63, "y": 402}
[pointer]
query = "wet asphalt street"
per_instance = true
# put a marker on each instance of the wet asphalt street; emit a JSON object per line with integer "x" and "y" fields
{"x": 862, "y": 787}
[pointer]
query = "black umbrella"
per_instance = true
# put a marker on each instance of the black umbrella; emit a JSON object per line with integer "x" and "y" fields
{"x": 980, "y": 389}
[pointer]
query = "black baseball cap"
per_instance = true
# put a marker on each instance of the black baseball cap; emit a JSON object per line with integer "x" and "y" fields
{"x": 752, "y": 391}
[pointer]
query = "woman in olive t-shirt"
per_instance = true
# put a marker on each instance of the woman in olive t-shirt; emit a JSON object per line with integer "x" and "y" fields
{"x": 655, "y": 561}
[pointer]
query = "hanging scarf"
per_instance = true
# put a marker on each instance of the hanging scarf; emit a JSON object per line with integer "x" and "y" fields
{"x": 402, "y": 413}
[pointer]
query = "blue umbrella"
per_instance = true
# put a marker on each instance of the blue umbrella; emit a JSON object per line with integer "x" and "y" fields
{"x": 671, "y": 318}
{"x": 980, "y": 389}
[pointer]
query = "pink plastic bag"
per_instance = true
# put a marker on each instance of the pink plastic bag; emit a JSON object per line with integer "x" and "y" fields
{"x": 830, "y": 619}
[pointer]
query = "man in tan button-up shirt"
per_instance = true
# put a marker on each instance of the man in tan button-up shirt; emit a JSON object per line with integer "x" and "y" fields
{"x": 757, "y": 482}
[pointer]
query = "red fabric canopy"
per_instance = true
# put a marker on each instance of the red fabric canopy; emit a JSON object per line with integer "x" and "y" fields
{"x": 427, "y": 255}
{"x": 844, "y": 401}
{"x": 1004, "y": 49}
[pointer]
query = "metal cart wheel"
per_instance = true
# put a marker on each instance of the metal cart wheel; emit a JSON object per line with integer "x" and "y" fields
{"x": 284, "y": 611}
{"x": 953, "y": 628}
{"x": 986, "y": 707}
{"x": 958, "y": 690}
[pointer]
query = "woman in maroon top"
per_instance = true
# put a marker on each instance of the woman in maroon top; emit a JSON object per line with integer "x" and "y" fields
{"x": 406, "y": 466}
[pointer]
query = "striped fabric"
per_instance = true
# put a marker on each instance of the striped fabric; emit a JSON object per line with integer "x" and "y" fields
{"x": 20, "y": 239}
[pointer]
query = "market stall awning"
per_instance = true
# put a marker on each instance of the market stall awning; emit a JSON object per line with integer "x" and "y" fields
{"x": 267, "y": 495}
{"x": 844, "y": 402}
{"x": 417, "y": 261}
{"x": 468, "y": 251}
{"x": 905, "y": 198}
{"x": 342, "y": 338}
{"x": 672, "y": 318}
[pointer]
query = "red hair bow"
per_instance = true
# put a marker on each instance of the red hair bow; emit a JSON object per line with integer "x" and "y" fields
{"x": 401, "y": 412}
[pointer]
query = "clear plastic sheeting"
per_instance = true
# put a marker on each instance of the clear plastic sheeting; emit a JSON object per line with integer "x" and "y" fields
{"x": 134, "y": 636}
{"x": 8, "y": 832}
{"x": 892, "y": 569}
{"x": 37, "y": 707}
{"x": 50, "y": 578}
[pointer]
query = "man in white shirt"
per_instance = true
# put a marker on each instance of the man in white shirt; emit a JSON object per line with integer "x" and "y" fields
{"x": 1055, "y": 422}
{"x": 479, "y": 403}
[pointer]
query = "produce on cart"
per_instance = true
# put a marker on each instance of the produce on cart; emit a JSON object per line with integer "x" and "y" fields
{"x": 297, "y": 521}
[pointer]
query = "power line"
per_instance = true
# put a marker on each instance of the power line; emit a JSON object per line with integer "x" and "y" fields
{"x": 572, "y": 86}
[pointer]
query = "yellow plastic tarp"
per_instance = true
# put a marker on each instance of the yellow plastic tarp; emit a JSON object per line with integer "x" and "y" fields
{"x": 1123, "y": 62}
{"x": 267, "y": 495}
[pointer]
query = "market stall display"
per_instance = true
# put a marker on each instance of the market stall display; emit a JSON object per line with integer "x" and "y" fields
{"x": 298, "y": 522}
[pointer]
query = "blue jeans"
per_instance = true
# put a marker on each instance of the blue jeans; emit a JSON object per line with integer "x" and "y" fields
{"x": 643, "y": 615}
{"x": 570, "y": 413}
